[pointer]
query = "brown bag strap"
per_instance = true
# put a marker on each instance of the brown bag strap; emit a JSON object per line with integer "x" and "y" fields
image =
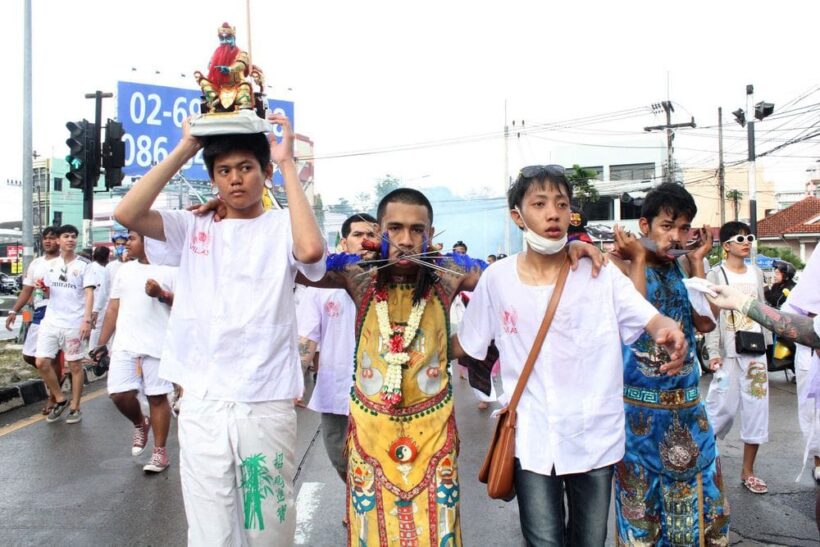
{"x": 539, "y": 338}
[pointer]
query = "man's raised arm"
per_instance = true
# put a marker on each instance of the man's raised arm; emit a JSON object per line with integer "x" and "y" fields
{"x": 308, "y": 243}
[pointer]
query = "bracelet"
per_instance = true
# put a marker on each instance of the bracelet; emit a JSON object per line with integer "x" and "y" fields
{"x": 12, "y": 312}
{"x": 744, "y": 308}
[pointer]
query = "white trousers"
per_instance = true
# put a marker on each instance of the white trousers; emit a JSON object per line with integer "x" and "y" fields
{"x": 237, "y": 468}
{"x": 747, "y": 389}
{"x": 808, "y": 418}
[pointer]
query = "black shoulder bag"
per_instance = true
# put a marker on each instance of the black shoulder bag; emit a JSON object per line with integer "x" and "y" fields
{"x": 746, "y": 341}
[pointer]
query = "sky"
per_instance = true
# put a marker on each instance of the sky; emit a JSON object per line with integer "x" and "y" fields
{"x": 438, "y": 79}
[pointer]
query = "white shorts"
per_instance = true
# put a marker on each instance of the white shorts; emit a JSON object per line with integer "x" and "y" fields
{"x": 229, "y": 453}
{"x": 30, "y": 345}
{"x": 130, "y": 371}
{"x": 50, "y": 340}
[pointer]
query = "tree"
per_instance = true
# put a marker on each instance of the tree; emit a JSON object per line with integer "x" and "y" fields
{"x": 384, "y": 186}
{"x": 735, "y": 196}
{"x": 363, "y": 203}
{"x": 319, "y": 211}
{"x": 343, "y": 207}
{"x": 784, "y": 254}
{"x": 583, "y": 191}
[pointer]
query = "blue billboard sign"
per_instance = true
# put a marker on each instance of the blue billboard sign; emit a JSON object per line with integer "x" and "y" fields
{"x": 152, "y": 118}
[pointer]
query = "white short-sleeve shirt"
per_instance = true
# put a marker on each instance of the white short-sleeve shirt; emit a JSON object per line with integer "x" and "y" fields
{"x": 103, "y": 286}
{"x": 35, "y": 275}
{"x": 66, "y": 284}
{"x": 141, "y": 320}
{"x": 571, "y": 413}
{"x": 232, "y": 331}
{"x": 328, "y": 317}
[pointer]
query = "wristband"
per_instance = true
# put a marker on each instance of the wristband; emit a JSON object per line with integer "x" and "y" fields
{"x": 12, "y": 312}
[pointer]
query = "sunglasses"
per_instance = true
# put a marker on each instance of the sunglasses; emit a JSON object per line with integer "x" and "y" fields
{"x": 63, "y": 272}
{"x": 740, "y": 238}
{"x": 539, "y": 171}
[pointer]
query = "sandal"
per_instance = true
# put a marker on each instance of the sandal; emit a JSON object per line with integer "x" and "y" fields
{"x": 755, "y": 485}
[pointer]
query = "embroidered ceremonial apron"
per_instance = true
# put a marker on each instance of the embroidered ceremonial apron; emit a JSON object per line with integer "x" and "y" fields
{"x": 668, "y": 435}
{"x": 402, "y": 476}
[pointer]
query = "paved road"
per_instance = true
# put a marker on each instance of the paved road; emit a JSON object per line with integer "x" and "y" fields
{"x": 78, "y": 485}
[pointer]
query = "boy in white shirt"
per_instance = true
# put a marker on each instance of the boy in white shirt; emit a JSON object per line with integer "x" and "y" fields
{"x": 141, "y": 321}
{"x": 327, "y": 317}
{"x": 67, "y": 324}
{"x": 99, "y": 267}
{"x": 743, "y": 382}
{"x": 570, "y": 428}
{"x": 232, "y": 342}
{"x": 34, "y": 290}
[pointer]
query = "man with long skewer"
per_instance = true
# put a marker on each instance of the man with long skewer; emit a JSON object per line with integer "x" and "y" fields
{"x": 402, "y": 473}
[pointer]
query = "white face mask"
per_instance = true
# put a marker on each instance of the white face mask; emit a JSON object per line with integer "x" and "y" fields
{"x": 541, "y": 244}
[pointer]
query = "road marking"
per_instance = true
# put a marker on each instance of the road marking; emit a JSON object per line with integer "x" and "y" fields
{"x": 306, "y": 504}
{"x": 20, "y": 424}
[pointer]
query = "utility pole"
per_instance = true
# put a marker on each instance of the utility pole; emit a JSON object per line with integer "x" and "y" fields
{"x": 750, "y": 127}
{"x": 506, "y": 181}
{"x": 28, "y": 168}
{"x": 760, "y": 110}
{"x": 721, "y": 170}
{"x": 670, "y": 136}
{"x": 88, "y": 191}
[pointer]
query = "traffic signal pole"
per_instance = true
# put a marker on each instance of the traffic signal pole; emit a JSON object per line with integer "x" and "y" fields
{"x": 750, "y": 127}
{"x": 28, "y": 168}
{"x": 91, "y": 182}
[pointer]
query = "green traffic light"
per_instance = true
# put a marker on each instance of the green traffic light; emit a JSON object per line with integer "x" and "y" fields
{"x": 73, "y": 163}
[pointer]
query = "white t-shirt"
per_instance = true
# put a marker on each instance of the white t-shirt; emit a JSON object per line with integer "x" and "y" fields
{"x": 232, "y": 332}
{"x": 734, "y": 321}
{"x": 35, "y": 275}
{"x": 328, "y": 317}
{"x": 67, "y": 284}
{"x": 111, "y": 270}
{"x": 571, "y": 413}
{"x": 141, "y": 320}
{"x": 103, "y": 286}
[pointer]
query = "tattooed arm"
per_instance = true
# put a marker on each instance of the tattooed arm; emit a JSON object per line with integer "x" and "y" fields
{"x": 791, "y": 326}
{"x": 350, "y": 276}
{"x": 307, "y": 349}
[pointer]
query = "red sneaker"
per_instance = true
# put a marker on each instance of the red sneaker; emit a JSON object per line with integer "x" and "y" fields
{"x": 140, "y": 437}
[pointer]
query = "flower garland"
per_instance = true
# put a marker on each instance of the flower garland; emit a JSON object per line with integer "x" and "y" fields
{"x": 398, "y": 340}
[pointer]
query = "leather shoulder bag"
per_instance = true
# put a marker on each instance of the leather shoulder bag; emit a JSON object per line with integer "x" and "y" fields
{"x": 499, "y": 464}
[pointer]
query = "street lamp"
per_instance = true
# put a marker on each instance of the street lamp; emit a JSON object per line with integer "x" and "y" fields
{"x": 761, "y": 111}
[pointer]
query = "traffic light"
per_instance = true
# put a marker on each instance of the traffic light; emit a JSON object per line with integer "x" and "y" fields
{"x": 763, "y": 109}
{"x": 81, "y": 157}
{"x": 740, "y": 117}
{"x": 113, "y": 154}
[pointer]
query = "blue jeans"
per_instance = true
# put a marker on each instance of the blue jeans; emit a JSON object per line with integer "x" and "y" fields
{"x": 544, "y": 520}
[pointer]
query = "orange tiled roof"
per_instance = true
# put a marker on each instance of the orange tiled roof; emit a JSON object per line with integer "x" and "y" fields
{"x": 791, "y": 220}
